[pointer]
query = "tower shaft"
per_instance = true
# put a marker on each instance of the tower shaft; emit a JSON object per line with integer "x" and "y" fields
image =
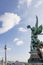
{"x": 5, "y": 55}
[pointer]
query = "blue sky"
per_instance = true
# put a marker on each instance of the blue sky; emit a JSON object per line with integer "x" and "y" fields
{"x": 15, "y": 15}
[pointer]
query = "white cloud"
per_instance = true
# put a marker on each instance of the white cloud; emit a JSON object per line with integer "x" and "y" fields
{"x": 18, "y": 41}
{"x": 38, "y": 3}
{"x": 21, "y": 29}
{"x": 28, "y": 2}
{"x": 21, "y": 2}
{"x": 8, "y": 49}
{"x": 9, "y": 20}
{"x": 2, "y": 50}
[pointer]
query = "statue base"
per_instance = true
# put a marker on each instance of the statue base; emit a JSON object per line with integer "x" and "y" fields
{"x": 34, "y": 59}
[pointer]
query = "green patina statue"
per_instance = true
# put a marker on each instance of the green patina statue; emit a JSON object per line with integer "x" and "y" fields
{"x": 35, "y": 31}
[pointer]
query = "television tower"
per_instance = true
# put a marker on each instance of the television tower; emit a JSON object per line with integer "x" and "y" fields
{"x": 5, "y": 55}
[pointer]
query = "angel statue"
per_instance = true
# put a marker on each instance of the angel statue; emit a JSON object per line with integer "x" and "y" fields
{"x": 36, "y": 44}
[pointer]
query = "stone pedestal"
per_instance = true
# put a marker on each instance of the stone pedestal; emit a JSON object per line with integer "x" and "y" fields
{"x": 33, "y": 63}
{"x": 34, "y": 59}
